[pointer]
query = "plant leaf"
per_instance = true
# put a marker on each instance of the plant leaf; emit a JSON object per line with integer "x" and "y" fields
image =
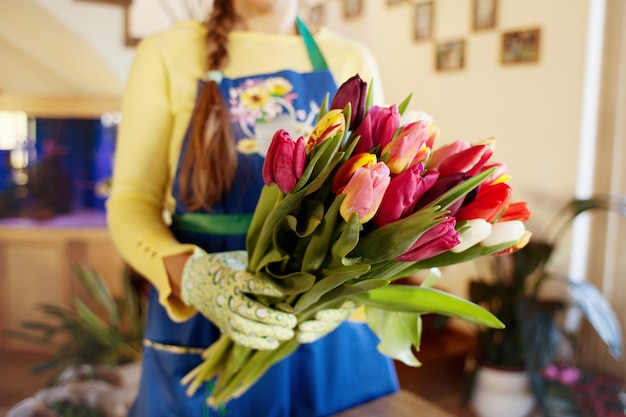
{"x": 414, "y": 299}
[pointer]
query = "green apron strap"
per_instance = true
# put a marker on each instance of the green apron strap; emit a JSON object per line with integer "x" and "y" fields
{"x": 213, "y": 224}
{"x": 315, "y": 55}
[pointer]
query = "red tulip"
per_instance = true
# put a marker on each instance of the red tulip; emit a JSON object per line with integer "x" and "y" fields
{"x": 435, "y": 241}
{"x": 515, "y": 211}
{"x": 440, "y": 154}
{"x": 489, "y": 202}
{"x": 365, "y": 191}
{"x": 404, "y": 190}
{"x": 284, "y": 162}
{"x": 470, "y": 160}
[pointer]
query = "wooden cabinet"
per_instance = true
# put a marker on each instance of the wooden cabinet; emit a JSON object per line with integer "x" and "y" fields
{"x": 37, "y": 266}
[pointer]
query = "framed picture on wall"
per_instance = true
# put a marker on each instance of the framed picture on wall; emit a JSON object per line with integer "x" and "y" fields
{"x": 450, "y": 56}
{"x": 352, "y": 8}
{"x": 423, "y": 21}
{"x": 484, "y": 14}
{"x": 316, "y": 16}
{"x": 394, "y": 2}
{"x": 520, "y": 46}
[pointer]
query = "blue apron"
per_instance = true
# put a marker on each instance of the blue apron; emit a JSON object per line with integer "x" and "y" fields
{"x": 341, "y": 370}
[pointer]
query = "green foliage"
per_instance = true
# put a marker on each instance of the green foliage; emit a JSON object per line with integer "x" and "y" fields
{"x": 96, "y": 330}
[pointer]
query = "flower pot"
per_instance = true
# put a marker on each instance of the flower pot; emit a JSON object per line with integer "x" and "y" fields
{"x": 500, "y": 392}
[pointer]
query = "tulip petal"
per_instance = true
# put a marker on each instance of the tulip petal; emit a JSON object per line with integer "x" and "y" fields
{"x": 502, "y": 232}
{"x": 472, "y": 232}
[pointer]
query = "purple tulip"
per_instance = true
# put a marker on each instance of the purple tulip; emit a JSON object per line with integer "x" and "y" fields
{"x": 284, "y": 162}
{"x": 438, "y": 239}
{"x": 404, "y": 190}
{"x": 353, "y": 91}
{"x": 378, "y": 128}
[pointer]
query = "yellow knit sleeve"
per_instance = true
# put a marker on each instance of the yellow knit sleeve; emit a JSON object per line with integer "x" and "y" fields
{"x": 141, "y": 177}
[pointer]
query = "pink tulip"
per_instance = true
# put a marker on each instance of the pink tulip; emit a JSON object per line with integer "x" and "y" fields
{"x": 403, "y": 148}
{"x": 404, "y": 190}
{"x": 435, "y": 241}
{"x": 378, "y": 128}
{"x": 348, "y": 168}
{"x": 284, "y": 162}
{"x": 365, "y": 191}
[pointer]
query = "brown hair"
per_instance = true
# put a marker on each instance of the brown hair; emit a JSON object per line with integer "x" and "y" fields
{"x": 209, "y": 165}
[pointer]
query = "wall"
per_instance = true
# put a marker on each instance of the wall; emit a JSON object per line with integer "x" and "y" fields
{"x": 533, "y": 110}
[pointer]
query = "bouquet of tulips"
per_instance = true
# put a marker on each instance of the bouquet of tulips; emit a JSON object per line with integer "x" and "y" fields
{"x": 360, "y": 202}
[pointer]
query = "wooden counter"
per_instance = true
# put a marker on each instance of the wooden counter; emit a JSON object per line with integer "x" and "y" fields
{"x": 400, "y": 404}
{"x": 37, "y": 262}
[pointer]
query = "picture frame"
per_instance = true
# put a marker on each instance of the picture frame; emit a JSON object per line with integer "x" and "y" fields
{"x": 520, "y": 46}
{"x": 317, "y": 15}
{"x": 395, "y": 2}
{"x": 423, "y": 17}
{"x": 352, "y": 8}
{"x": 484, "y": 14}
{"x": 450, "y": 55}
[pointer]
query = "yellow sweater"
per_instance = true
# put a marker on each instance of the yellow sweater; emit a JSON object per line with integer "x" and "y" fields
{"x": 156, "y": 110}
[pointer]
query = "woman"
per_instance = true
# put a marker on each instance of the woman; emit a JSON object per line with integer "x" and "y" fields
{"x": 180, "y": 195}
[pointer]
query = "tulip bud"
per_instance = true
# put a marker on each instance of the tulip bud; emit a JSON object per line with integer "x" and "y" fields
{"x": 331, "y": 124}
{"x": 470, "y": 160}
{"x": 385, "y": 124}
{"x": 348, "y": 168}
{"x": 404, "y": 190}
{"x": 438, "y": 239}
{"x": 284, "y": 162}
{"x": 403, "y": 148}
{"x": 353, "y": 91}
{"x": 489, "y": 202}
{"x": 442, "y": 153}
{"x": 472, "y": 232}
{"x": 365, "y": 191}
{"x": 502, "y": 232}
{"x": 499, "y": 175}
{"x": 515, "y": 211}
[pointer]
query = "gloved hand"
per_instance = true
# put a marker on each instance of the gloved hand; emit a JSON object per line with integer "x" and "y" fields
{"x": 217, "y": 285}
{"x": 325, "y": 321}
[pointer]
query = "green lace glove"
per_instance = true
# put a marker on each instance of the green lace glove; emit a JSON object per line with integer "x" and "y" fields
{"x": 325, "y": 321}
{"x": 217, "y": 285}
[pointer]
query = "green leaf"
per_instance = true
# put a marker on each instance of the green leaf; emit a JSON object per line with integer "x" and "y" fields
{"x": 333, "y": 279}
{"x": 398, "y": 333}
{"x": 317, "y": 248}
{"x": 451, "y": 258}
{"x": 348, "y": 238}
{"x": 414, "y": 299}
{"x": 309, "y": 218}
{"x": 405, "y": 103}
{"x": 293, "y": 283}
{"x": 99, "y": 291}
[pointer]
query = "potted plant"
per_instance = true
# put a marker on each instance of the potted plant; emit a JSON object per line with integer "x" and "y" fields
{"x": 97, "y": 344}
{"x": 534, "y": 336}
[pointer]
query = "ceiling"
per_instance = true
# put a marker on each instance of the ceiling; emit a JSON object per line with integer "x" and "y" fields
{"x": 41, "y": 55}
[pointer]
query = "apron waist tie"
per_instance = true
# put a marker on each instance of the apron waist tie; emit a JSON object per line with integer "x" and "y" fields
{"x": 178, "y": 350}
